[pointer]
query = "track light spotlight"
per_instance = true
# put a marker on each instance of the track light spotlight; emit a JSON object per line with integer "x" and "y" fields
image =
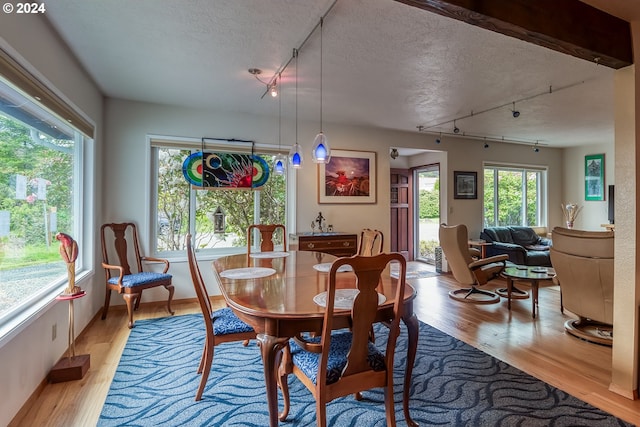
{"x": 515, "y": 112}
{"x": 455, "y": 128}
{"x": 535, "y": 148}
{"x": 438, "y": 141}
{"x": 272, "y": 87}
{"x": 486, "y": 145}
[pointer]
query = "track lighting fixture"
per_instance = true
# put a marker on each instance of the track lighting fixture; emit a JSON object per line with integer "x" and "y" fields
{"x": 515, "y": 112}
{"x": 455, "y": 128}
{"x": 394, "y": 153}
{"x": 438, "y": 140}
{"x": 486, "y": 145}
{"x": 535, "y": 148}
{"x": 272, "y": 86}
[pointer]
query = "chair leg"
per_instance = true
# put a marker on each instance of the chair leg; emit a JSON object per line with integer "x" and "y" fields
{"x": 130, "y": 300}
{"x": 137, "y": 306}
{"x": 321, "y": 412}
{"x": 204, "y": 355}
{"x": 283, "y": 361}
{"x": 171, "y": 289}
{"x": 389, "y": 406}
{"x": 107, "y": 300}
{"x": 208, "y": 361}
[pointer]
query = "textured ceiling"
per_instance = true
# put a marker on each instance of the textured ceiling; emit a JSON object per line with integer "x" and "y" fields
{"x": 385, "y": 64}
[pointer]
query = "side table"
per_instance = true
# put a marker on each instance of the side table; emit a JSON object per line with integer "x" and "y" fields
{"x": 70, "y": 367}
{"x": 530, "y": 274}
{"x": 482, "y": 244}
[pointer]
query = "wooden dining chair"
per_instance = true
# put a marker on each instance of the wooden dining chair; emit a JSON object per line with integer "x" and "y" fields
{"x": 221, "y": 325}
{"x": 343, "y": 362}
{"x": 119, "y": 248}
{"x": 370, "y": 243}
{"x": 268, "y": 235}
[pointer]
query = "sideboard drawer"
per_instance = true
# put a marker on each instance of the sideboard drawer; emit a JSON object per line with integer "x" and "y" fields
{"x": 335, "y": 244}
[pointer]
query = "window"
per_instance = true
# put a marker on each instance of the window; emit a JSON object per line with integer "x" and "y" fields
{"x": 218, "y": 219}
{"x": 40, "y": 195}
{"x": 514, "y": 196}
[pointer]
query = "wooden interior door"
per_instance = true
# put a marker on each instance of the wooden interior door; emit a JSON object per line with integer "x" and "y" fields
{"x": 401, "y": 212}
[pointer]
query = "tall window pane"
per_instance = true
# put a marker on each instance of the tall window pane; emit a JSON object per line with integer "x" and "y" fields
{"x": 509, "y": 197}
{"x": 533, "y": 198}
{"x": 39, "y": 192}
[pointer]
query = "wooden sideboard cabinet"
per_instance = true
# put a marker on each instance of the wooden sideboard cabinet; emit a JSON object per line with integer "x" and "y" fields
{"x": 338, "y": 244}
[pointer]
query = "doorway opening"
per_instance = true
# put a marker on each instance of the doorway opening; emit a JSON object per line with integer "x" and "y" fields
{"x": 426, "y": 212}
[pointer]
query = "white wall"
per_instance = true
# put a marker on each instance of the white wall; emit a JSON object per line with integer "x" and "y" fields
{"x": 28, "y": 357}
{"x": 593, "y": 213}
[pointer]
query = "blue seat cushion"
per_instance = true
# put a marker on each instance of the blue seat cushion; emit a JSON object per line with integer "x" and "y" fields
{"x": 137, "y": 279}
{"x": 308, "y": 362}
{"x": 226, "y": 322}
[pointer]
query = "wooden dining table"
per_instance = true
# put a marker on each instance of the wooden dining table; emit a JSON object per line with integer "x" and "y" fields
{"x": 274, "y": 293}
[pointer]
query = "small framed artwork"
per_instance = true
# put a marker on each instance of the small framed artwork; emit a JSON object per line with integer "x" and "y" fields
{"x": 349, "y": 177}
{"x": 465, "y": 185}
{"x": 594, "y": 177}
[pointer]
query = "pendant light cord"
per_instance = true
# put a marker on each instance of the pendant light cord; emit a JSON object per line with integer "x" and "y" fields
{"x": 295, "y": 54}
{"x": 321, "y": 25}
{"x": 280, "y": 115}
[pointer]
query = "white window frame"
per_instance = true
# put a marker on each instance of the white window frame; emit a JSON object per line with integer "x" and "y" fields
{"x": 189, "y": 143}
{"x": 543, "y": 191}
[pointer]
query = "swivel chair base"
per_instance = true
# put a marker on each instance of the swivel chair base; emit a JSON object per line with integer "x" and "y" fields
{"x": 475, "y": 296}
{"x": 590, "y": 330}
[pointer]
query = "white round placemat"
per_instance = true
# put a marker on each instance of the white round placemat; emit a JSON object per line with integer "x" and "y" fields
{"x": 344, "y": 298}
{"x": 247, "y": 273}
{"x": 325, "y": 267}
{"x": 269, "y": 254}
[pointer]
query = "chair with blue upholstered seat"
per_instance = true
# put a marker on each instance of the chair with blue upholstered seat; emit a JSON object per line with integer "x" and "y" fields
{"x": 341, "y": 362}
{"x": 220, "y": 325}
{"x": 120, "y": 250}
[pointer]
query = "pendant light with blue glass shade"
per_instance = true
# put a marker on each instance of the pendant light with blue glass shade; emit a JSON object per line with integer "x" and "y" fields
{"x": 321, "y": 152}
{"x": 295, "y": 154}
{"x": 280, "y": 161}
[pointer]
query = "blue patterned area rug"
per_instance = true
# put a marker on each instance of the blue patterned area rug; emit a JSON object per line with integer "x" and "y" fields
{"x": 454, "y": 384}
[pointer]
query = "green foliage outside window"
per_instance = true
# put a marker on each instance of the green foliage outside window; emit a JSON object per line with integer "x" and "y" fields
{"x": 515, "y": 200}
{"x": 173, "y": 207}
{"x": 37, "y": 157}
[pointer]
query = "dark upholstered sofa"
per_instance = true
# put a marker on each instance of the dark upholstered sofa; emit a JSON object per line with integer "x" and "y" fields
{"x": 521, "y": 244}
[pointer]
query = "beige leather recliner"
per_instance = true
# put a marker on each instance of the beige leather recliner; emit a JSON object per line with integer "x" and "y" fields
{"x": 583, "y": 261}
{"x": 468, "y": 271}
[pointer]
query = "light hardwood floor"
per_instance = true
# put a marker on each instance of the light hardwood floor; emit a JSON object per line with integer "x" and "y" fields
{"x": 539, "y": 347}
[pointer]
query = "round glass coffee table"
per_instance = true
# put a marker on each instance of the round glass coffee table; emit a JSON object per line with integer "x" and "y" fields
{"x": 527, "y": 274}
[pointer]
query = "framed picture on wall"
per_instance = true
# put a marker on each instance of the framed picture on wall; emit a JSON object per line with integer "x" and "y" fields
{"x": 349, "y": 177}
{"x": 594, "y": 177}
{"x": 465, "y": 185}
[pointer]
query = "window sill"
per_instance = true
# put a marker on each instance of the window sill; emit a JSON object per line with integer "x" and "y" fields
{"x": 17, "y": 323}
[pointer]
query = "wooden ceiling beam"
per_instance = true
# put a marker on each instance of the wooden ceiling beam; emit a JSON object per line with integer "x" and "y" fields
{"x": 567, "y": 26}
